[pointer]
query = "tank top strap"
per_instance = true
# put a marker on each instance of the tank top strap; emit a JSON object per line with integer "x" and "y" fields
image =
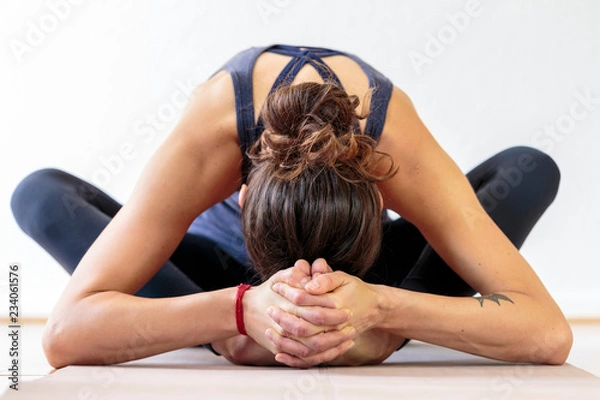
{"x": 301, "y": 57}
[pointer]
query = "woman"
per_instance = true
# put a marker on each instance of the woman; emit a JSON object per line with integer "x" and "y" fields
{"x": 280, "y": 131}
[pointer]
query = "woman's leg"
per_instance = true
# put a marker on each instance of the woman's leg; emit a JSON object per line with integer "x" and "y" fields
{"x": 65, "y": 215}
{"x": 515, "y": 187}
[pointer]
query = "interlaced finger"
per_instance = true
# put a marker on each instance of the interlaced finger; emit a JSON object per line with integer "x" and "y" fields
{"x": 306, "y": 321}
{"x": 307, "y": 362}
{"x": 300, "y": 297}
{"x": 307, "y": 347}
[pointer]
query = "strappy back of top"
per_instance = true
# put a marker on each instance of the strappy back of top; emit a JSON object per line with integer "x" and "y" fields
{"x": 241, "y": 67}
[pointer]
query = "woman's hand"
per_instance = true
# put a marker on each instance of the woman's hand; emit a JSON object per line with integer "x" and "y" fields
{"x": 322, "y": 336}
{"x": 243, "y": 350}
{"x": 337, "y": 290}
{"x": 373, "y": 345}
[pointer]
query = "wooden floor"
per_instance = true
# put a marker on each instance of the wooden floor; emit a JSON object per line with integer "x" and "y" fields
{"x": 416, "y": 368}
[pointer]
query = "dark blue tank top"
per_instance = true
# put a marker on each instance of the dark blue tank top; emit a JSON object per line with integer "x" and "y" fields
{"x": 222, "y": 223}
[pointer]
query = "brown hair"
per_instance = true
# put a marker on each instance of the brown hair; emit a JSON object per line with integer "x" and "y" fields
{"x": 311, "y": 190}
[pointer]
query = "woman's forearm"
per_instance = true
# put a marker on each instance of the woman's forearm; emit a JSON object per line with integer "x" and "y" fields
{"x": 508, "y": 326}
{"x": 112, "y": 327}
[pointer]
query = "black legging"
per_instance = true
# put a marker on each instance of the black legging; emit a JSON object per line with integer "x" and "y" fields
{"x": 64, "y": 215}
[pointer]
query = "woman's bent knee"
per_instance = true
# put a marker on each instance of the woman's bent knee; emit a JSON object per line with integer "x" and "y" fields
{"x": 35, "y": 198}
{"x": 546, "y": 171}
{"x": 534, "y": 168}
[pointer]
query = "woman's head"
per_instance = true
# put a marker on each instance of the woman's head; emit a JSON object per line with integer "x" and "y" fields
{"x": 312, "y": 187}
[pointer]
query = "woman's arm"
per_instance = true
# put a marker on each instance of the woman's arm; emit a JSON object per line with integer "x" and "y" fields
{"x": 430, "y": 191}
{"x": 97, "y": 319}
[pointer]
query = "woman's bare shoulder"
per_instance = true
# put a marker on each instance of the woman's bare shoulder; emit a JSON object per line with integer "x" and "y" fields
{"x": 210, "y": 110}
{"x": 400, "y": 111}
{"x": 404, "y": 132}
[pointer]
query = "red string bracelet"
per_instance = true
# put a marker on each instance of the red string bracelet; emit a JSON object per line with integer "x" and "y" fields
{"x": 239, "y": 309}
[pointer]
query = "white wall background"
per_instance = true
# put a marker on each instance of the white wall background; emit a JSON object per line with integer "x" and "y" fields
{"x": 79, "y": 79}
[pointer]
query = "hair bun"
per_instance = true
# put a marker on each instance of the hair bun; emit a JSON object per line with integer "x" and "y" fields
{"x": 313, "y": 126}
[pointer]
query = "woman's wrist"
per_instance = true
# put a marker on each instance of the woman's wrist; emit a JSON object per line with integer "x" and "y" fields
{"x": 239, "y": 308}
{"x": 387, "y": 309}
{"x": 248, "y": 302}
{"x": 221, "y": 303}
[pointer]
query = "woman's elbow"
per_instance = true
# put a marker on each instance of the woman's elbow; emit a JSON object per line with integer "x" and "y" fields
{"x": 61, "y": 345}
{"x": 561, "y": 344}
{"x": 552, "y": 344}
{"x": 54, "y": 345}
